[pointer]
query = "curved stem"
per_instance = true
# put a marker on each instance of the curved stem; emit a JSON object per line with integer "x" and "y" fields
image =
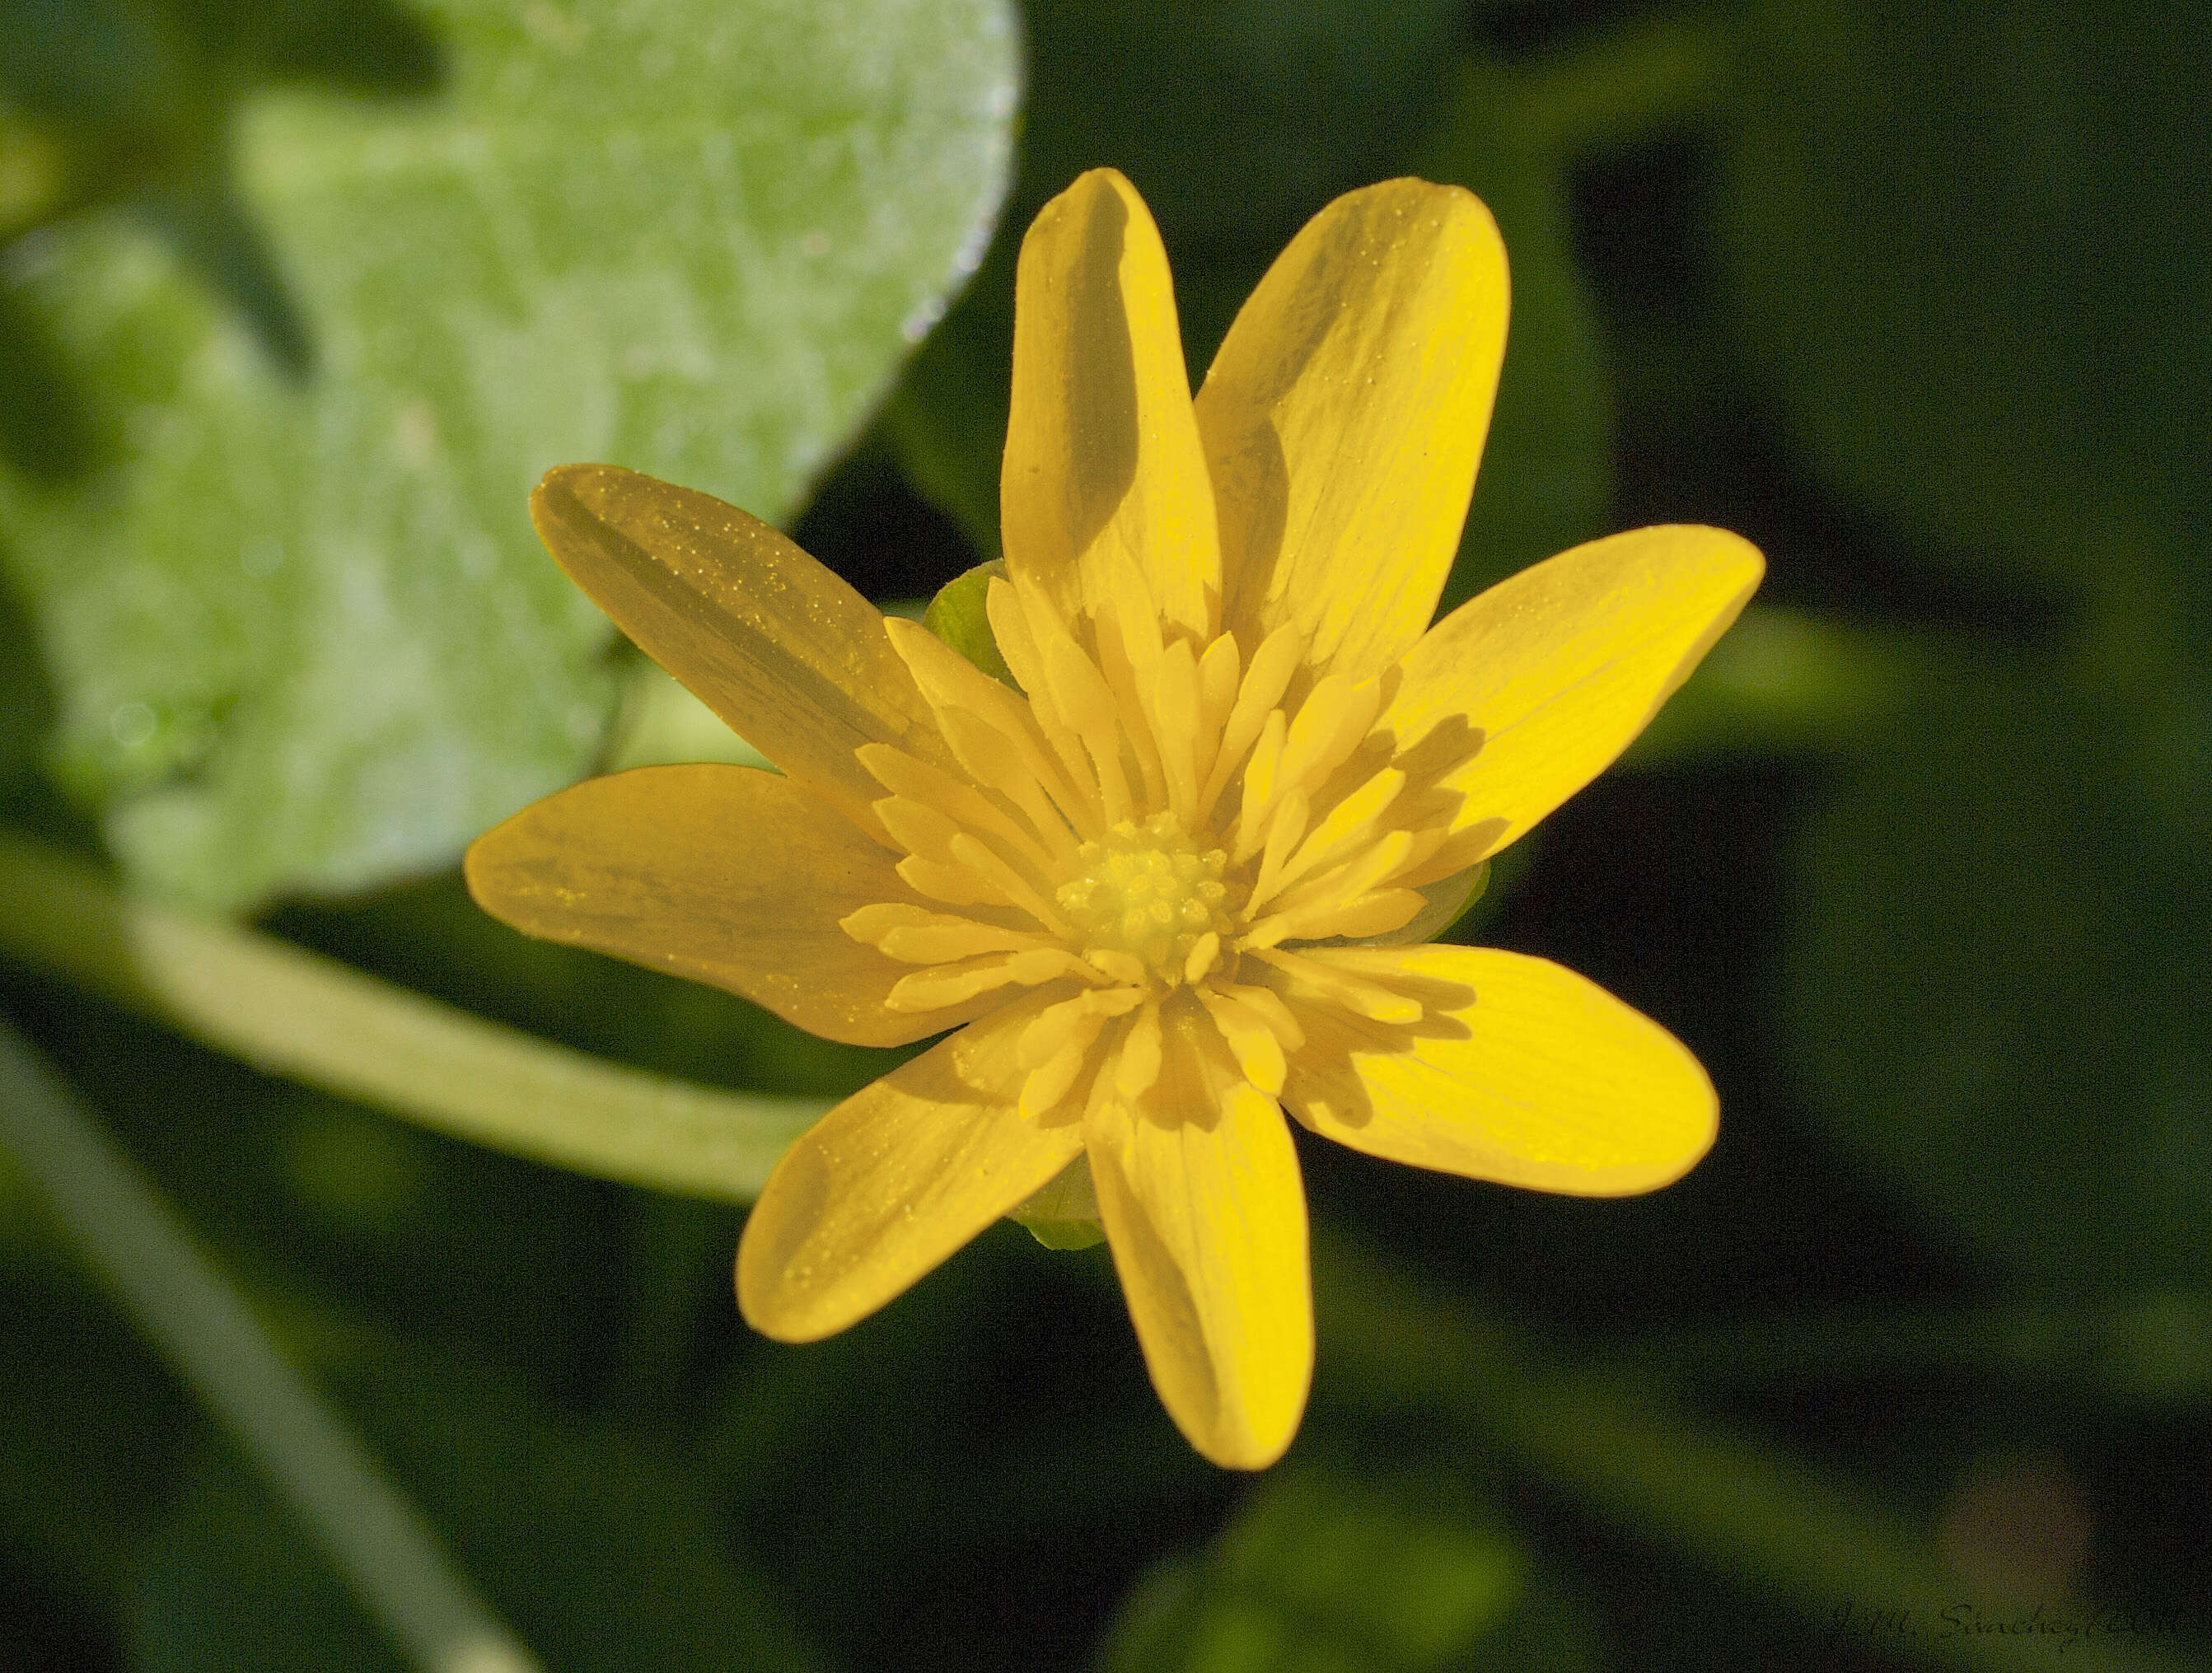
{"x": 380, "y": 1543}
{"x": 290, "y": 1012}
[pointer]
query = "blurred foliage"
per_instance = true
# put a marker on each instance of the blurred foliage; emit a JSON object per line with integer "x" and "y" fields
{"x": 1996, "y": 929}
{"x": 302, "y": 634}
{"x": 583, "y": 1539}
{"x": 1326, "y": 1572}
{"x": 295, "y": 299}
{"x": 1962, "y": 240}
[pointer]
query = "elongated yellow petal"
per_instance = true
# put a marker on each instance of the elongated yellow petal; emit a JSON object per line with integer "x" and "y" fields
{"x": 724, "y": 874}
{"x": 1207, "y": 1221}
{"x": 1102, "y": 460}
{"x": 1344, "y": 418}
{"x": 780, "y": 648}
{"x": 894, "y": 1179}
{"x": 1561, "y": 666}
{"x": 1536, "y": 1077}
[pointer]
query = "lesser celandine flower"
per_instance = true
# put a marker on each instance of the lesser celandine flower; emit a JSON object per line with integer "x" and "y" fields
{"x": 1171, "y": 879}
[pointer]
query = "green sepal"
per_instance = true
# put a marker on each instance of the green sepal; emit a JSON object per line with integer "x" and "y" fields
{"x": 957, "y": 617}
{"x": 1064, "y": 1214}
{"x": 1449, "y": 900}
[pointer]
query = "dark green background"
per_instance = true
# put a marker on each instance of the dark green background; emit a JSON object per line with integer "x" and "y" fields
{"x": 1913, "y": 299}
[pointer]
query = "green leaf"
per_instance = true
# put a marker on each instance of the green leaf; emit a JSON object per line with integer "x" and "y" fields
{"x": 1969, "y": 247}
{"x": 303, "y": 635}
{"x": 1995, "y": 990}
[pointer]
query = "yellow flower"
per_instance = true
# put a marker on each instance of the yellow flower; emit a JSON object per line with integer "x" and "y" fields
{"x": 1169, "y": 882}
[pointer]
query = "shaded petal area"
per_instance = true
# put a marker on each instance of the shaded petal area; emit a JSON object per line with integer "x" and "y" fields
{"x": 720, "y": 873}
{"x": 1522, "y": 1072}
{"x": 1560, "y": 667}
{"x": 791, "y": 656}
{"x": 894, "y": 1180}
{"x": 1207, "y": 1221}
{"x": 1344, "y": 418}
{"x": 1102, "y": 466}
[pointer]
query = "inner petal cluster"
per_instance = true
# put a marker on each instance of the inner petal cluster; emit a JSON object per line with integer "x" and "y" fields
{"x": 1149, "y": 892}
{"x": 1178, "y": 835}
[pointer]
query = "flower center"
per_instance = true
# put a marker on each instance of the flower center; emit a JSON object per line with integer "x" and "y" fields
{"x": 1148, "y": 891}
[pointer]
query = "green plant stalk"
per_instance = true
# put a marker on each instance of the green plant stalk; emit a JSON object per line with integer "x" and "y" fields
{"x": 380, "y": 1543}
{"x": 293, "y": 1013}
{"x": 1737, "y": 1507}
{"x": 1741, "y": 1509}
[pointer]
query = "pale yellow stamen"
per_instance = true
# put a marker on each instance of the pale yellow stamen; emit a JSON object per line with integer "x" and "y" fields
{"x": 1350, "y": 824}
{"x": 1311, "y": 978}
{"x": 1259, "y": 1052}
{"x": 1139, "y": 1063}
{"x": 1260, "y": 778}
{"x": 1081, "y": 824}
{"x": 918, "y": 781}
{"x": 1136, "y": 725}
{"x": 1204, "y": 954}
{"x": 914, "y": 935}
{"x": 952, "y": 984}
{"x": 1265, "y": 682}
{"x": 1149, "y": 893}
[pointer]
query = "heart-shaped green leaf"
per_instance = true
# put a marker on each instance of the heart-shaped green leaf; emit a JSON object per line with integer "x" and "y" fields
{"x": 303, "y": 637}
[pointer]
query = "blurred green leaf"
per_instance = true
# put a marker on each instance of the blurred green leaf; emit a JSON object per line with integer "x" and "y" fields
{"x": 1235, "y": 118}
{"x": 1545, "y": 482}
{"x": 1969, "y": 247}
{"x": 1783, "y": 682}
{"x": 602, "y": 1555}
{"x": 303, "y": 635}
{"x": 1995, "y": 987}
{"x": 132, "y": 101}
{"x": 1321, "y": 1573}
{"x": 27, "y": 705}
{"x": 1546, "y": 478}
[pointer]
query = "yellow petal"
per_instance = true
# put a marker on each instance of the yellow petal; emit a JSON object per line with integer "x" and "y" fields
{"x": 1207, "y": 1221}
{"x": 724, "y": 874}
{"x": 791, "y": 658}
{"x": 894, "y": 1180}
{"x": 1344, "y": 418}
{"x": 1522, "y": 1072}
{"x": 1558, "y": 668}
{"x": 1103, "y": 463}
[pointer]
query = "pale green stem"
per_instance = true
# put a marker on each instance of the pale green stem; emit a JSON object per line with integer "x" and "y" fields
{"x": 290, "y": 1012}
{"x": 382, "y": 1546}
{"x": 1722, "y": 1499}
